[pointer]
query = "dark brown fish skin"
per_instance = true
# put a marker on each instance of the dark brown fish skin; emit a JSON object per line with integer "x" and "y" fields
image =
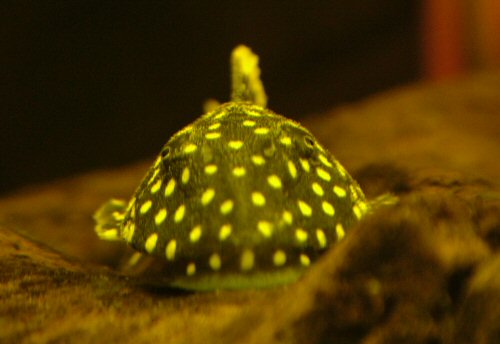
{"x": 279, "y": 142}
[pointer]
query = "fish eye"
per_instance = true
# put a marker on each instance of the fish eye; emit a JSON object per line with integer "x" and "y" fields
{"x": 165, "y": 152}
{"x": 309, "y": 141}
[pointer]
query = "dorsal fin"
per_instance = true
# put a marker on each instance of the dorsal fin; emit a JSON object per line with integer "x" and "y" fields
{"x": 245, "y": 75}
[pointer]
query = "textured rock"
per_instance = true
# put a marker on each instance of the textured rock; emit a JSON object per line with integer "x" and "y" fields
{"x": 423, "y": 271}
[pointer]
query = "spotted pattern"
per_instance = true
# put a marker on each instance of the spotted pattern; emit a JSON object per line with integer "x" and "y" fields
{"x": 160, "y": 216}
{"x": 266, "y": 228}
{"x": 318, "y": 189}
{"x": 292, "y": 169}
{"x": 239, "y": 171}
{"x": 258, "y": 160}
{"x": 169, "y": 189}
{"x": 211, "y": 169}
{"x": 146, "y": 206}
{"x": 301, "y": 235}
{"x": 305, "y": 165}
{"x": 247, "y": 260}
{"x": 212, "y": 136}
{"x": 195, "y": 234}
{"x": 170, "y": 249}
{"x": 274, "y": 181}
{"x": 207, "y": 196}
{"x": 261, "y": 131}
{"x": 215, "y": 262}
{"x": 258, "y": 199}
{"x": 226, "y": 207}
{"x": 249, "y": 123}
{"x": 156, "y": 187}
{"x": 225, "y": 231}
{"x": 240, "y": 192}
{"x": 186, "y": 174}
{"x": 150, "y": 244}
{"x": 279, "y": 258}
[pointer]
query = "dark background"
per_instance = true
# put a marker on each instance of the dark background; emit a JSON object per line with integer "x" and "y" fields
{"x": 96, "y": 84}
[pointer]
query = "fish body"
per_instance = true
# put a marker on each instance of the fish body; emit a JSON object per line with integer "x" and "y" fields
{"x": 241, "y": 198}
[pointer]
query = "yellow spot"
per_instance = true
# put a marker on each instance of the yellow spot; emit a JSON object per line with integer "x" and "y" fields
{"x": 160, "y": 216}
{"x": 320, "y": 235}
{"x": 109, "y": 234}
{"x": 169, "y": 189}
{"x": 156, "y": 187}
{"x": 155, "y": 173}
{"x": 220, "y": 115}
{"x": 340, "y": 168}
{"x": 305, "y": 209}
{"x": 128, "y": 231}
{"x": 305, "y": 260}
{"x": 214, "y": 262}
{"x": 354, "y": 192}
{"x": 212, "y": 136}
{"x": 131, "y": 203}
{"x": 301, "y": 235}
{"x": 305, "y": 165}
{"x": 328, "y": 208}
{"x": 235, "y": 144}
{"x": 134, "y": 259}
{"x": 266, "y": 228}
{"x": 118, "y": 216}
{"x": 179, "y": 213}
{"x": 323, "y": 174}
{"x": 287, "y": 141}
{"x": 239, "y": 171}
{"x": 287, "y": 217}
{"x": 191, "y": 269}
{"x": 247, "y": 260}
{"x": 226, "y": 207}
{"x": 248, "y": 123}
{"x": 225, "y": 231}
{"x": 253, "y": 113}
{"x": 214, "y": 126}
{"x": 170, "y": 249}
{"x": 339, "y": 229}
{"x": 324, "y": 160}
{"x": 150, "y": 244}
{"x": 145, "y": 207}
{"x": 261, "y": 131}
{"x": 190, "y": 148}
{"x": 210, "y": 169}
{"x": 258, "y": 199}
{"x": 357, "y": 212}
{"x": 292, "y": 169}
{"x": 274, "y": 181}
{"x": 195, "y": 234}
{"x": 318, "y": 190}
{"x": 185, "y": 175}
{"x": 184, "y": 130}
{"x": 117, "y": 202}
{"x": 258, "y": 160}
{"x": 207, "y": 196}
{"x": 340, "y": 192}
{"x": 363, "y": 207}
{"x": 158, "y": 161}
{"x": 279, "y": 258}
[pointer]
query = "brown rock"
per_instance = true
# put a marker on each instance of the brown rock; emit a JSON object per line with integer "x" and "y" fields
{"x": 423, "y": 271}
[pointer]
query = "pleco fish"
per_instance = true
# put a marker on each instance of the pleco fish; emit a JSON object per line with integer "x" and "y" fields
{"x": 241, "y": 198}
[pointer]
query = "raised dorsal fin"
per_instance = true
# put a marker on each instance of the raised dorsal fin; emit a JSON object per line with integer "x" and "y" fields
{"x": 245, "y": 75}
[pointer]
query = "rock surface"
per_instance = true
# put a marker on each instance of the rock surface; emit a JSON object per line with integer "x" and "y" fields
{"x": 423, "y": 271}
